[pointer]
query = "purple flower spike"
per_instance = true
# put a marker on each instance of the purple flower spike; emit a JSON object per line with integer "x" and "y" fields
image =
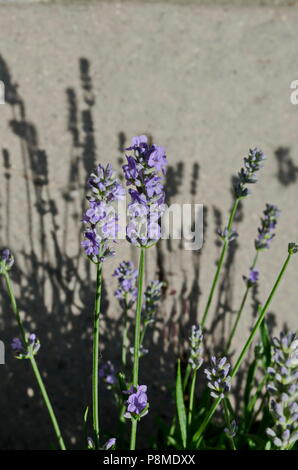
{"x": 247, "y": 174}
{"x": 218, "y": 379}
{"x": 144, "y": 172}
{"x": 268, "y": 224}
{"x": 126, "y": 292}
{"x": 6, "y": 260}
{"x": 137, "y": 403}
{"x": 101, "y": 215}
{"x": 24, "y": 352}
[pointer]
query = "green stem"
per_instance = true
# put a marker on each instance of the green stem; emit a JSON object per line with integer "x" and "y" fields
{"x": 191, "y": 396}
{"x": 228, "y": 421}
{"x": 34, "y": 364}
{"x": 220, "y": 262}
{"x": 137, "y": 341}
{"x": 125, "y": 339}
{"x": 95, "y": 365}
{"x": 232, "y": 334}
{"x": 198, "y": 436}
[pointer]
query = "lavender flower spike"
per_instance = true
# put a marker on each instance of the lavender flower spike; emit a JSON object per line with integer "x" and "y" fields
{"x": 126, "y": 292}
{"x": 283, "y": 387}
{"x": 25, "y": 352}
{"x": 152, "y": 296}
{"x": 6, "y": 260}
{"x": 100, "y": 217}
{"x": 268, "y": 224}
{"x": 247, "y": 174}
{"x": 218, "y": 379}
{"x": 196, "y": 347}
{"x": 144, "y": 173}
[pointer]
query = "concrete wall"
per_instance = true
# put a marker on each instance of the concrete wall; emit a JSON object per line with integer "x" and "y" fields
{"x": 81, "y": 79}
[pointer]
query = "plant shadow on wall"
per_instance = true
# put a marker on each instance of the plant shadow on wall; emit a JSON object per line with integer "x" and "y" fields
{"x": 55, "y": 287}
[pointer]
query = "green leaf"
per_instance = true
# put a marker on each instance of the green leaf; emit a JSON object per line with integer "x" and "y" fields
{"x": 180, "y": 406}
{"x": 85, "y": 419}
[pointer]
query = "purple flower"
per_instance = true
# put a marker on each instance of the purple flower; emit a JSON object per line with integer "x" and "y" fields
{"x": 96, "y": 212}
{"x": 91, "y": 243}
{"x": 158, "y": 159}
{"x": 253, "y": 277}
{"x": 107, "y": 373}
{"x": 110, "y": 443}
{"x": 126, "y": 292}
{"x": 268, "y": 224}
{"x": 137, "y": 401}
{"x": 104, "y": 185}
{"x": 130, "y": 170}
{"x": 17, "y": 346}
{"x": 6, "y": 260}
{"x": 144, "y": 171}
{"x": 24, "y": 352}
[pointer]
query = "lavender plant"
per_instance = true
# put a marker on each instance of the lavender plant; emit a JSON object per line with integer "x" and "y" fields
{"x": 276, "y": 418}
{"x": 144, "y": 172}
{"x": 101, "y": 223}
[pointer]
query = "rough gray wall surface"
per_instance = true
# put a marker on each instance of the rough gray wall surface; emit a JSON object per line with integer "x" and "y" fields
{"x": 207, "y": 83}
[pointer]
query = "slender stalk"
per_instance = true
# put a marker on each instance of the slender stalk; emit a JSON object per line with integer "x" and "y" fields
{"x": 191, "y": 396}
{"x": 95, "y": 365}
{"x": 198, "y": 436}
{"x": 34, "y": 363}
{"x": 137, "y": 341}
{"x": 228, "y": 421}
{"x": 125, "y": 338}
{"x": 233, "y": 331}
{"x": 220, "y": 262}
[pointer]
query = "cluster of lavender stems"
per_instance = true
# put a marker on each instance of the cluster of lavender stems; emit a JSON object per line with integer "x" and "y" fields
{"x": 292, "y": 249}
{"x": 247, "y": 175}
{"x": 27, "y": 346}
{"x": 263, "y": 241}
